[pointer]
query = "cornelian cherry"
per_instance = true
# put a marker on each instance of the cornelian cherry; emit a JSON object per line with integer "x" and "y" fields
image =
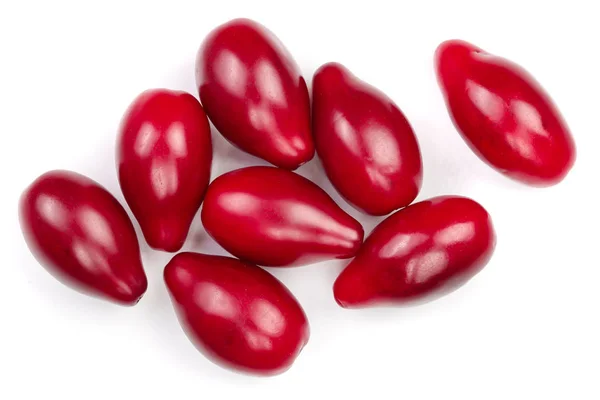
{"x": 253, "y": 92}
{"x": 425, "y": 249}
{"x": 366, "y": 144}
{"x": 273, "y": 217}
{"x": 81, "y": 234}
{"x": 164, "y": 156}
{"x": 237, "y": 314}
{"x": 504, "y": 114}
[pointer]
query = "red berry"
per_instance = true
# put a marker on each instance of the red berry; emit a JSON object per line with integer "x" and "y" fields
{"x": 366, "y": 145}
{"x": 81, "y": 234}
{"x": 164, "y": 156}
{"x": 504, "y": 114}
{"x": 430, "y": 247}
{"x": 273, "y": 217}
{"x": 236, "y": 313}
{"x": 253, "y": 92}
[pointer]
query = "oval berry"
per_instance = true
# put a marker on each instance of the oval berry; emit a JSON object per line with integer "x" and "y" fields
{"x": 253, "y": 92}
{"x": 367, "y": 146}
{"x": 504, "y": 114}
{"x": 237, "y": 314}
{"x": 427, "y": 248}
{"x": 81, "y": 234}
{"x": 273, "y": 217}
{"x": 164, "y": 156}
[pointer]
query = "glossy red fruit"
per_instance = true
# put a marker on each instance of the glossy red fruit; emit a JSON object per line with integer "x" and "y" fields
{"x": 81, "y": 234}
{"x": 236, "y": 313}
{"x": 273, "y": 217}
{"x": 504, "y": 114}
{"x": 253, "y": 92}
{"x": 366, "y": 145}
{"x": 428, "y": 248}
{"x": 164, "y": 156}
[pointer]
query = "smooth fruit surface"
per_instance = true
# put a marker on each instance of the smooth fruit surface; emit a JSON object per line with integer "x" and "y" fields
{"x": 81, "y": 234}
{"x": 164, "y": 156}
{"x": 254, "y": 94}
{"x": 366, "y": 144}
{"x": 504, "y": 115}
{"x": 236, "y": 313}
{"x": 273, "y": 217}
{"x": 430, "y": 247}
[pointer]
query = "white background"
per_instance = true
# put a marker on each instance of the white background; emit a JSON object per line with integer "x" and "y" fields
{"x": 525, "y": 328}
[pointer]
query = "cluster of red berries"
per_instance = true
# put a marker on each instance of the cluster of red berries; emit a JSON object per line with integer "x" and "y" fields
{"x": 250, "y": 88}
